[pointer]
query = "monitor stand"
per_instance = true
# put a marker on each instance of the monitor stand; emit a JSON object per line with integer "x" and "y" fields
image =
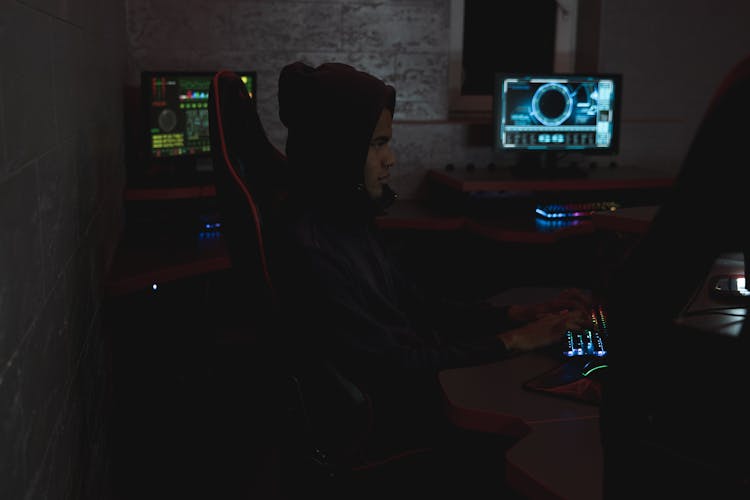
{"x": 544, "y": 165}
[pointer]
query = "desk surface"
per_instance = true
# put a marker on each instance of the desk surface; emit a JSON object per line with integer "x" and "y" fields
{"x": 495, "y": 390}
{"x": 557, "y": 438}
{"x": 466, "y": 189}
{"x": 560, "y": 437}
{"x": 141, "y": 262}
{"x": 570, "y": 466}
{"x": 602, "y": 178}
{"x": 625, "y": 220}
{"x": 519, "y": 228}
{"x": 529, "y": 228}
{"x": 137, "y": 267}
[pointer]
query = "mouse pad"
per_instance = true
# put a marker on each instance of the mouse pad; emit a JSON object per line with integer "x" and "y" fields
{"x": 567, "y": 380}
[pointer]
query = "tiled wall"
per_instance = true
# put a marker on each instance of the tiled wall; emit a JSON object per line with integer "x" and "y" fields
{"x": 62, "y": 68}
{"x": 671, "y": 53}
{"x": 404, "y": 42}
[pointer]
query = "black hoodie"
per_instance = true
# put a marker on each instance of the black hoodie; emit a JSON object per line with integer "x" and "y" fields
{"x": 330, "y": 113}
{"x": 347, "y": 300}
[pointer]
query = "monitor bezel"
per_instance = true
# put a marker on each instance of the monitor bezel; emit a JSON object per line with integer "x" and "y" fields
{"x": 612, "y": 149}
{"x": 146, "y": 76}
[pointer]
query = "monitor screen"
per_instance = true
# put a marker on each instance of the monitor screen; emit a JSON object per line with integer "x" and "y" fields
{"x": 177, "y": 112}
{"x": 557, "y": 113}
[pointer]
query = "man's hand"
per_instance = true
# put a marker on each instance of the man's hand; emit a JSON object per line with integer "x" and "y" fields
{"x": 547, "y": 330}
{"x": 570, "y": 299}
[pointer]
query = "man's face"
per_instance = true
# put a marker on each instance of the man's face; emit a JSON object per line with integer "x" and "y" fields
{"x": 380, "y": 157}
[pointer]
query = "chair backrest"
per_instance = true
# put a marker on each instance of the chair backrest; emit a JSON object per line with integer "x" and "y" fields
{"x": 671, "y": 413}
{"x": 703, "y": 215}
{"x": 249, "y": 172}
{"x": 321, "y": 415}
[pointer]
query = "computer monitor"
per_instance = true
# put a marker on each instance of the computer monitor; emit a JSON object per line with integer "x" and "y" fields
{"x": 176, "y": 138}
{"x": 544, "y": 116}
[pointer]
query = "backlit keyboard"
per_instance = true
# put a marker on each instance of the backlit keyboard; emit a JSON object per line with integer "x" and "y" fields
{"x": 588, "y": 341}
{"x": 575, "y": 210}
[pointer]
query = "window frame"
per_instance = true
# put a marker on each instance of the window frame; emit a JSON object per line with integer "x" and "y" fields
{"x": 460, "y": 105}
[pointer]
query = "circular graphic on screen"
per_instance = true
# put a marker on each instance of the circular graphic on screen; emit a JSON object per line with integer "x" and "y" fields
{"x": 552, "y": 104}
{"x": 167, "y": 120}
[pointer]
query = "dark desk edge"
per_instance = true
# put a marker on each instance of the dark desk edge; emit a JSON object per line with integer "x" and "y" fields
{"x": 501, "y": 180}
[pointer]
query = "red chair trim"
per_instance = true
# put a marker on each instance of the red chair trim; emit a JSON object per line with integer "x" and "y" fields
{"x": 236, "y": 177}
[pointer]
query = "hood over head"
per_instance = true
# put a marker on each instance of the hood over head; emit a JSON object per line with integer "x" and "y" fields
{"x": 330, "y": 112}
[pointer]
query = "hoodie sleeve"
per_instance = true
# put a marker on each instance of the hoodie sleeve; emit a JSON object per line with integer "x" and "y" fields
{"x": 453, "y": 319}
{"x": 360, "y": 327}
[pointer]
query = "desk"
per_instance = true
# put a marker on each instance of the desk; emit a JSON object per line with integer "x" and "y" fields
{"x": 557, "y": 437}
{"x": 499, "y": 206}
{"x": 143, "y": 259}
{"x": 625, "y": 220}
{"x": 529, "y": 228}
{"x": 570, "y": 466}
{"x": 136, "y": 267}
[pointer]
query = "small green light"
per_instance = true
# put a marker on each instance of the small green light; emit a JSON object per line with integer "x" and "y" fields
{"x": 589, "y": 372}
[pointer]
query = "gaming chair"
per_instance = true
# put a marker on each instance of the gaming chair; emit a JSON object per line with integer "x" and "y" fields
{"x": 248, "y": 175}
{"x": 673, "y": 416}
{"x": 317, "y": 417}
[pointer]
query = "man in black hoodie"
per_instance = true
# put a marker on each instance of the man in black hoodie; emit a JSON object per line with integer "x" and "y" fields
{"x": 347, "y": 301}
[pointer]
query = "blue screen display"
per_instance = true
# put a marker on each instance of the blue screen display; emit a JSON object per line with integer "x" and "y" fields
{"x": 558, "y": 112}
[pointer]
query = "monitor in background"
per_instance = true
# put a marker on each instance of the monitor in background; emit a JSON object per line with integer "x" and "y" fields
{"x": 541, "y": 117}
{"x": 176, "y": 140}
